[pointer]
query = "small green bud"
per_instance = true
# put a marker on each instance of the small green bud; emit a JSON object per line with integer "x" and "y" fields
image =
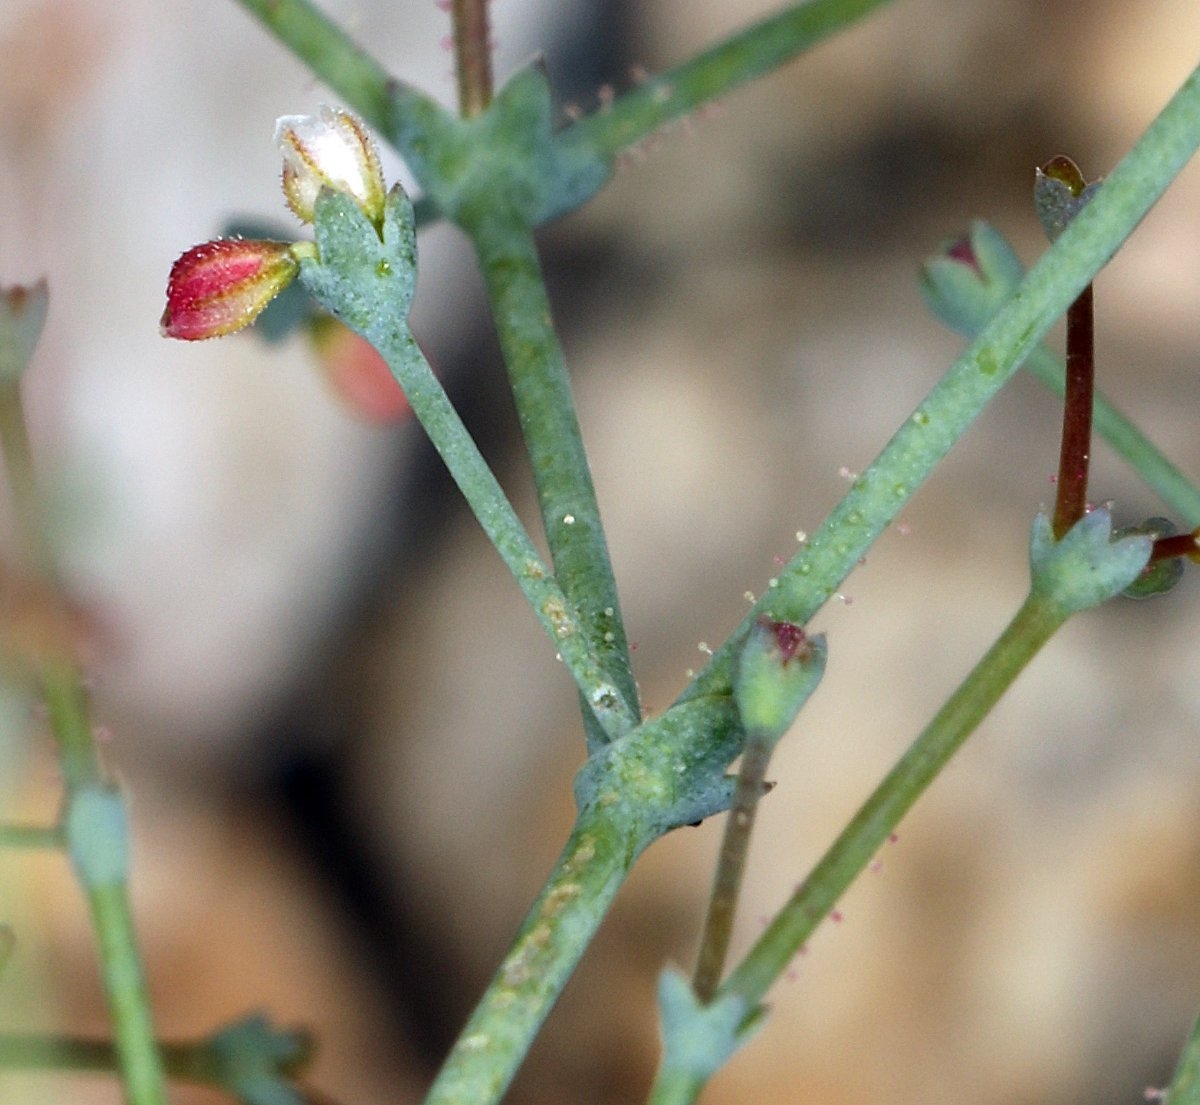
{"x": 1060, "y": 193}
{"x": 1159, "y": 576}
{"x": 970, "y": 278}
{"x": 779, "y": 667}
{"x": 97, "y": 834}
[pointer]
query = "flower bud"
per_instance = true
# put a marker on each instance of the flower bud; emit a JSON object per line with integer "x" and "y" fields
{"x": 220, "y": 287}
{"x": 778, "y": 668}
{"x": 1160, "y": 575}
{"x": 970, "y": 279}
{"x": 1060, "y": 193}
{"x": 330, "y": 150}
{"x": 22, "y": 315}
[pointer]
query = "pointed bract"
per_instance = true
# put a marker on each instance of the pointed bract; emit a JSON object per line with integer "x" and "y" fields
{"x": 220, "y": 287}
{"x": 329, "y": 150}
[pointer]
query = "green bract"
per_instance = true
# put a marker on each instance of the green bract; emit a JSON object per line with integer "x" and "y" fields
{"x": 670, "y": 771}
{"x": 697, "y": 1039}
{"x": 1087, "y": 567}
{"x": 507, "y": 155}
{"x": 97, "y": 835}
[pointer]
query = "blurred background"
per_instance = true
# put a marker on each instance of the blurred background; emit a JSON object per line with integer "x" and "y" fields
{"x": 348, "y": 747}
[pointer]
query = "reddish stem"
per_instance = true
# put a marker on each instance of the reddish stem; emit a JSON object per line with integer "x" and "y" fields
{"x": 473, "y": 55}
{"x": 1071, "y": 502}
{"x": 1179, "y": 544}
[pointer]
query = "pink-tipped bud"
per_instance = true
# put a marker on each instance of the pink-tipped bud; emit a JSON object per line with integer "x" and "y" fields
{"x": 357, "y": 373}
{"x": 219, "y": 287}
{"x": 329, "y": 150}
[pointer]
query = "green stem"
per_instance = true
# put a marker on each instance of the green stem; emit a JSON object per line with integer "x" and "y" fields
{"x": 562, "y": 922}
{"x": 546, "y": 410}
{"x": 184, "y": 1061}
{"x": 564, "y": 624}
{"x": 1066, "y": 268}
{"x": 1127, "y": 441}
{"x": 1034, "y": 624}
{"x": 66, "y": 701}
{"x": 30, "y": 836}
{"x": 727, "y": 883}
{"x": 141, "y": 1064}
{"x": 473, "y": 55}
{"x": 331, "y": 54}
{"x": 1185, "y": 1085}
{"x": 751, "y": 53}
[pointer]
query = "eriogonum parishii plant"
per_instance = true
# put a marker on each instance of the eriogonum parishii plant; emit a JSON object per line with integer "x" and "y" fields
{"x": 498, "y": 169}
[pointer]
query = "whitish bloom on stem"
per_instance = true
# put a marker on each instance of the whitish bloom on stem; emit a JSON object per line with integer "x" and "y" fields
{"x": 329, "y": 150}
{"x": 220, "y": 287}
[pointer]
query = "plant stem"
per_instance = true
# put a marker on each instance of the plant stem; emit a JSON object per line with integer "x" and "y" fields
{"x": 1070, "y": 502}
{"x": 124, "y": 980}
{"x": 185, "y": 1061}
{"x": 66, "y": 701}
{"x": 1034, "y": 624}
{"x": 546, "y": 410}
{"x": 472, "y": 55}
{"x": 812, "y": 576}
{"x": 30, "y": 836}
{"x": 1179, "y": 544}
{"x": 757, "y": 50}
{"x": 562, "y": 621}
{"x": 1126, "y": 440}
{"x": 727, "y": 884}
{"x": 597, "y": 857}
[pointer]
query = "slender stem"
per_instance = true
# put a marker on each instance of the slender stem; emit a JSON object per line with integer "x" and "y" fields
{"x": 473, "y": 55}
{"x": 1179, "y": 544}
{"x": 597, "y": 857}
{"x": 141, "y": 1064}
{"x": 1071, "y": 490}
{"x": 30, "y": 836}
{"x": 749, "y": 54}
{"x": 331, "y": 54}
{"x": 810, "y": 579}
{"x": 565, "y": 625}
{"x": 1185, "y": 1084}
{"x": 183, "y": 1060}
{"x": 1129, "y": 443}
{"x": 1034, "y": 624}
{"x": 545, "y": 407}
{"x": 66, "y": 700}
{"x": 722, "y": 905}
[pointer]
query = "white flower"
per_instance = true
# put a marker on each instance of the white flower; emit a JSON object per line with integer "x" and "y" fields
{"x": 329, "y": 150}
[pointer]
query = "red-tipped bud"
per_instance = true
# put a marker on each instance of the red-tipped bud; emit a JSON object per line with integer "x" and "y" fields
{"x": 220, "y": 287}
{"x": 329, "y": 150}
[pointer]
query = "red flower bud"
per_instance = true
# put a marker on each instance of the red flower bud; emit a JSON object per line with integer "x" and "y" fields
{"x": 219, "y": 287}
